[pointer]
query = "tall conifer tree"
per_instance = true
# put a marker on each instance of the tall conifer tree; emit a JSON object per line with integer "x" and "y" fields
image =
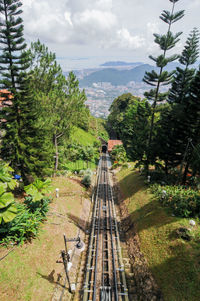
{"x": 183, "y": 76}
{"x": 157, "y": 79}
{"x": 21, "y": 144}
{"x": 177, "y": 123}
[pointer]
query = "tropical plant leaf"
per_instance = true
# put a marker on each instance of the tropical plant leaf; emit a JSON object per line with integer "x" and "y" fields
{"x": 6, "y": 199}
{"x": 33, "y": 192}
{"x": 8, "y": 213}
{"x": 12, "y": 184}
{"x": 2, "y": 188}
{"x": 4, "y": 178}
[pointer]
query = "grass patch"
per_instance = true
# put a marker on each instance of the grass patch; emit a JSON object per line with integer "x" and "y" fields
{"x": 30, "y": 272}
{"x": 175, "y": 263}
{"x": 80, "y": 165}
{"x": 82, "y": 137}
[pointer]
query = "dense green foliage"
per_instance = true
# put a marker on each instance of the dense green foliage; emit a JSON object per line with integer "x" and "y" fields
{"x": 86, "y": 177}
{"x": 8, "y": 209}
{"x": 118, "y": 154}
{"x": 59, "y": 101}
{"x": 21, "y": 221}
{"x": 26, "y": 224}
{"x": 179, "y": 122}
{"x": 184, "y": 202}
{"x": 129, "y": 120}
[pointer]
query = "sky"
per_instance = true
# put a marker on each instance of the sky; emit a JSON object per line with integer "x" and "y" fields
{"x": 87, "y": 33}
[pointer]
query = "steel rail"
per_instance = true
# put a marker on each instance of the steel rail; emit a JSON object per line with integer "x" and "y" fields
{"x": 112, "y": 249}
{"x": 120, "y": 259}
{"x": 106, "y": 293}
{"x": 104, "y": 225}
{"x": 97, "y": 249}
{"x": 89, "y": 260}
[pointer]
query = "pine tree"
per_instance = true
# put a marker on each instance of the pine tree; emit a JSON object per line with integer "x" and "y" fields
{"x": 13, "y": 62}
{"x": 22, "y": 140}
{"x": 157, "y": 79}
{"x": 183, "y": 76}
{"x": 178, "y": 121}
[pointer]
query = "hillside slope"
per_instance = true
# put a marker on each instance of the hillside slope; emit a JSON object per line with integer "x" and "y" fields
{"x": 121, "y": 77}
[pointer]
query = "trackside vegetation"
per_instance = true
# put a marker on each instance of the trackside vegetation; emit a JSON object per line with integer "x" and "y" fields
{"x": 167, "y": 240}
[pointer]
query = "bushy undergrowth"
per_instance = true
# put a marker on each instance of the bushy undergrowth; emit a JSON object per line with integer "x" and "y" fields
{"x": 183, "y": 201}
{"x": 161, "y": 177}
{"x": 26, "y": 224}
{"x": 87, "y": 178}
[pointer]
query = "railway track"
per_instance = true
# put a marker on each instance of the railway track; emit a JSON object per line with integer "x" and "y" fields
{"x": 105, "y": 275}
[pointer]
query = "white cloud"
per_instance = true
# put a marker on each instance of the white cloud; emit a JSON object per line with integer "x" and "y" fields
{"x": 68, "y": 24}
{"x": 104, "y": 4}
{"x": 68, "y": 18}
{"x": 95, "y": 18}
{"x": 115, "y": 26}
{"x": 126, "y": 40}
{"x": 152, "y": 27}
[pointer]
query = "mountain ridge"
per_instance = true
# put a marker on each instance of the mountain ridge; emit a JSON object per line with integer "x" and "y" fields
{"x": 118, "y": 77}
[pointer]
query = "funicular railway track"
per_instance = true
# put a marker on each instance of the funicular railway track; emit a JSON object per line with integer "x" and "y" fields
{"x": 105, "y": 276}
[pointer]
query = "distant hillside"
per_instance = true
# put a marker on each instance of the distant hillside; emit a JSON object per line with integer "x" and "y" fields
{"x": 121, "y": 64}
{"x": 121, "y": 77}
{"x": 116, "y": 77}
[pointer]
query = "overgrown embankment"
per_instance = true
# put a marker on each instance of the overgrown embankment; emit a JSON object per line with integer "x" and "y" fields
{"x": 173, "y": 262}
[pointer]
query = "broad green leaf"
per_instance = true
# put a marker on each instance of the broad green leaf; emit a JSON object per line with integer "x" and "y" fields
{"x": 33, "y": 191}
{"x": 5, "y": 178}
{"x": 12, "y": 184}
{"x": 8, "y": 214}
{"x": 6, "y": 199}
{"x": 37, "y": 196}
{"x": 30, "y": 189}
{"x": 2, "y": 188}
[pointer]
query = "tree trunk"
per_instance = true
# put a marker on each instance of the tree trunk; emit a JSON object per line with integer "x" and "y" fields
{"x": 56, "y": 154}
{"x": 185, "y": 174}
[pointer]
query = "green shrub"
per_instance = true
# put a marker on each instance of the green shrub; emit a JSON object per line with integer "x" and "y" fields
{"x": 184, "y": 202}
{"x": 22, "y": 227}
{"x": 87, "y": 180}
{"x": 160, "y": 177}
{"x": 38, "y": 189}
{"x": 41, "y": 207}
{"x": 88, "y": 172}
{"x": 118, "y": 153}
{"x": 20, "y": 222}
{"x": 81, "y": 172}
{"x": 26, "y": 224}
